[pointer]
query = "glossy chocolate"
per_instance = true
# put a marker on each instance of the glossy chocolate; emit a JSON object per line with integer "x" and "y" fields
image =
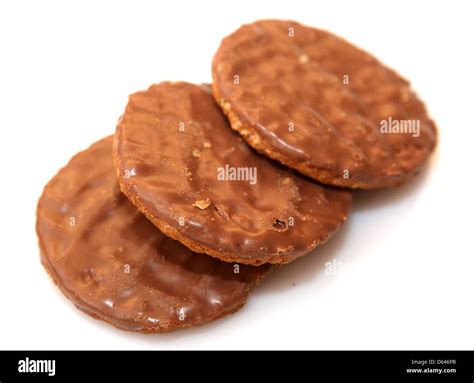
{"x": 169, "y": 148}
{"x": 316, "y": 103}
{"x": 117, "y": 266}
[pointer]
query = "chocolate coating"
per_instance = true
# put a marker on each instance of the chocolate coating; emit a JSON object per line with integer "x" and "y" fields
{"x": 116, "y": 266}
{"x": 169, "y": 147}
{"x": 284, "y": 88}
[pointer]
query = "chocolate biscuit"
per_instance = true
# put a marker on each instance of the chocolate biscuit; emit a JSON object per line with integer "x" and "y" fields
{"x": 318, "y": 104}
{"x": 113, "y": 264}
{"x": 178, "y": 161}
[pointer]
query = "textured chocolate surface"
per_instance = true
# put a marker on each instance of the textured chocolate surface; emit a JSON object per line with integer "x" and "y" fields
{"x": 284, "y": 88}
{"x": 168, "y": 149}
{"x": 117, "y": 266}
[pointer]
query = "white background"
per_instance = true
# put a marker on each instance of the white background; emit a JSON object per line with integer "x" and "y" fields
{"x": 66, "y": 69}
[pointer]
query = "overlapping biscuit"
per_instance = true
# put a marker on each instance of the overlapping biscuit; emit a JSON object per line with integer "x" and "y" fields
{"x": 320, "y": 105}
{"x": 112, "y": 263}
{"x": 179, "y": 162}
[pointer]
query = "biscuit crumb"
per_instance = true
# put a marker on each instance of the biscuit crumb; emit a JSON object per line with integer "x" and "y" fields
{"x": 196, "y": 153}
{"x": 202, "y": 203}
{"x": 225, "y": 105}
{"x": 286, "y": 181}
{"x": 303, "y": 59}
{"x": 206, "y": 144}
{"x": 237, "y": 124}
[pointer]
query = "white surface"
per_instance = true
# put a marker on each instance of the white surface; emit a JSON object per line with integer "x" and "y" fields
{"x": 65, "y": 75}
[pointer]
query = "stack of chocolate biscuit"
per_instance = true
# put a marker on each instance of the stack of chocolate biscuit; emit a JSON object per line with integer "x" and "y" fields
{"x": 204, "y": 189}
